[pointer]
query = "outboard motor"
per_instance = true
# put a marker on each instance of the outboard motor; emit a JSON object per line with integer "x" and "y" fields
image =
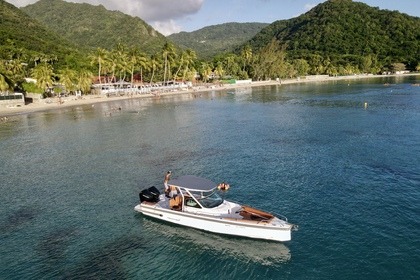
{"x": 155, "y": 193}
{"x": 150, "y": 195}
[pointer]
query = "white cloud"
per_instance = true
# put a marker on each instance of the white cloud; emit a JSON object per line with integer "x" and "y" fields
{"x": 161, "y": 14}
{"x": 167, "y": 27}
{"x": 309, "y": 6}
{"x": 21, "y": 3}
{"x": 158, "y": 10}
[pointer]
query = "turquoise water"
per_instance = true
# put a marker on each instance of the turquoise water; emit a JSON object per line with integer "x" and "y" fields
{"x": 346, "y": 173}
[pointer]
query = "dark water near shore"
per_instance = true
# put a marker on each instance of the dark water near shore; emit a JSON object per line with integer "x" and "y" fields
{"x": 346, "y": 173}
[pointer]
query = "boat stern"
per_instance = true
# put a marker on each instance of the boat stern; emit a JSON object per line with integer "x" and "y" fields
{"x": 138, "y": 208}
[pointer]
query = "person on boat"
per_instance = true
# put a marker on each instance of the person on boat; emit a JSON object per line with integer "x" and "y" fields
{"x": 165, "y": 182}
{"x": 172, "y": 192}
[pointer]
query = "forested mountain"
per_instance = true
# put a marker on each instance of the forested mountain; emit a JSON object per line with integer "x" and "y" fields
{"x": 212, "y": 40}
{"x": 337, "y": 37}
{"x": 94, "y": 26}
{"x": 347, "y": 32}
{"x": 20, "y": 35}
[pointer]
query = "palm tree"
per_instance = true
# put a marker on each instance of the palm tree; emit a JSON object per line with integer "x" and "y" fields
{"x": 191, "y": 74}
{"x": 84, "y": 80}
{"x": 15, "y": 68}
{"x": 219, "y": 71}
{"x": 349, "y": 69}
{"x": 5, "y": 82}
{"x": 132, "y": 62}
{"x": 136, "y": 59}
{"x": 107, "y": 67}
{"x": 246, "y": 54}
{"x": 301, "y": 66}
{"x": 44, "y": 58}
{"x": 168, "y": 53}
{"x": 205, "y": 71}
{"x": 98, "y": 58}
{"x": 123, "y": 66}
{"x": 112, "y": 63}
{"x": 43, "y": 74}
{"x": 67, "y": 79}
{"x": 143, "y": 63}
{"x": 120, "y": 61}
{"x": 316, "y": 64}
{"x": 181, "y": 62}
{"x": 230, "y": 64}
{"x": 154, "y": 64}
{"x": 190, "y": 57}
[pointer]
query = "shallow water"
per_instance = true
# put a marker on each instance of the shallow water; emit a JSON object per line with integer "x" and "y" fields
{"x": 347, "y": 173}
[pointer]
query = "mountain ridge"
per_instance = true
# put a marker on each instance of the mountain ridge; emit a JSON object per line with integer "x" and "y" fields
{"x": 17, "y": 26}
{"x": 94, "y": 26}
{"x": 212, "y": 40}
{"x": 344, "y": 27}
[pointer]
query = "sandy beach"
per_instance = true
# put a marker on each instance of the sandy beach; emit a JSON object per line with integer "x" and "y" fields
{"x": 53, "y": 103}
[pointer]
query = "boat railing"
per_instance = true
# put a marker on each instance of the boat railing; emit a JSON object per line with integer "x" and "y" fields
{"x": 281, "y": 217}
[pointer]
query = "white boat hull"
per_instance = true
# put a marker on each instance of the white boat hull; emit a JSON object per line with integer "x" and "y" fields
{"x": 276, "y": 229}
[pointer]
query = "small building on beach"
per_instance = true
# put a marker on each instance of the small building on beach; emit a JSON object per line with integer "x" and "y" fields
{"x": 16, "y": 99}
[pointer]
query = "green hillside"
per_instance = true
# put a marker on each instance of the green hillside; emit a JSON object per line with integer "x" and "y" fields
{"x": 345, "y": 32}
{"x": 212, "y": 40}
{"x": 94, "y": 26}
{"x": 337, "y": 37}
{"x": 20, "y": 35}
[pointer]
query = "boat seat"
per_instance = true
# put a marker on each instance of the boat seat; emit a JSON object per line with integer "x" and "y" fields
{"x": 254, "y": 214}
{"x": 175, "y": 203}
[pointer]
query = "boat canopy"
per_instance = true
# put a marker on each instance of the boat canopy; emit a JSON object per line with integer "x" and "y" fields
{"x": 193, "y": 183}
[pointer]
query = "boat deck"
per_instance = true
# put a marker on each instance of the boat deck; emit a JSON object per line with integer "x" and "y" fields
{"x": 243, "y": 213}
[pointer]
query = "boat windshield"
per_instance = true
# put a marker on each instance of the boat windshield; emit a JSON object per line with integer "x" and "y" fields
{"x": 209, "y": 199}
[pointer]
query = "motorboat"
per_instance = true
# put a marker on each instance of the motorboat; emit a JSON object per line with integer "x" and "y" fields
{"x": 195, "y": 202}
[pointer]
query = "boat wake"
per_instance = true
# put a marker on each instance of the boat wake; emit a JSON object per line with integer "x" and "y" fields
{"x": 247, "y": 250}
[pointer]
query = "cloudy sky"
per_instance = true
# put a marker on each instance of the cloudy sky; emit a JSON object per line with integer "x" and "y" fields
{"x": 172, "y": 16}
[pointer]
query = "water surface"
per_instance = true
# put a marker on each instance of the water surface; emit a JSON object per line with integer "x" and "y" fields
{"x": 339, "y": 159}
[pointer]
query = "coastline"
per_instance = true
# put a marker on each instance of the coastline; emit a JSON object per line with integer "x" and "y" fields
{"x": 42, "y": 104}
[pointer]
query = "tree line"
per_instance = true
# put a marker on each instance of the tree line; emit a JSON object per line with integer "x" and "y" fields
{"x": 130, "y": 64}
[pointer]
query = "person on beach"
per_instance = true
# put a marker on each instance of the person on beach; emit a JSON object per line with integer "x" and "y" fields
{"x": 166, "y": 180}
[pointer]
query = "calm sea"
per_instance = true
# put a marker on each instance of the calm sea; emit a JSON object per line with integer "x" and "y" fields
{"x": 340, "y": 159}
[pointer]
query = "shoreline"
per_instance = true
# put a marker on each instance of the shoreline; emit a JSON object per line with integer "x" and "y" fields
{"x": 42, "y": 104}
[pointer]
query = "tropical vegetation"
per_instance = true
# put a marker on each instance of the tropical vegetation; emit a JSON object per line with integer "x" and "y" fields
{"x": 90, "y": 27}
{"x": 338, "y": 37}
{"x": 212, "y": 40}
{"x": 342, "y": 37}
